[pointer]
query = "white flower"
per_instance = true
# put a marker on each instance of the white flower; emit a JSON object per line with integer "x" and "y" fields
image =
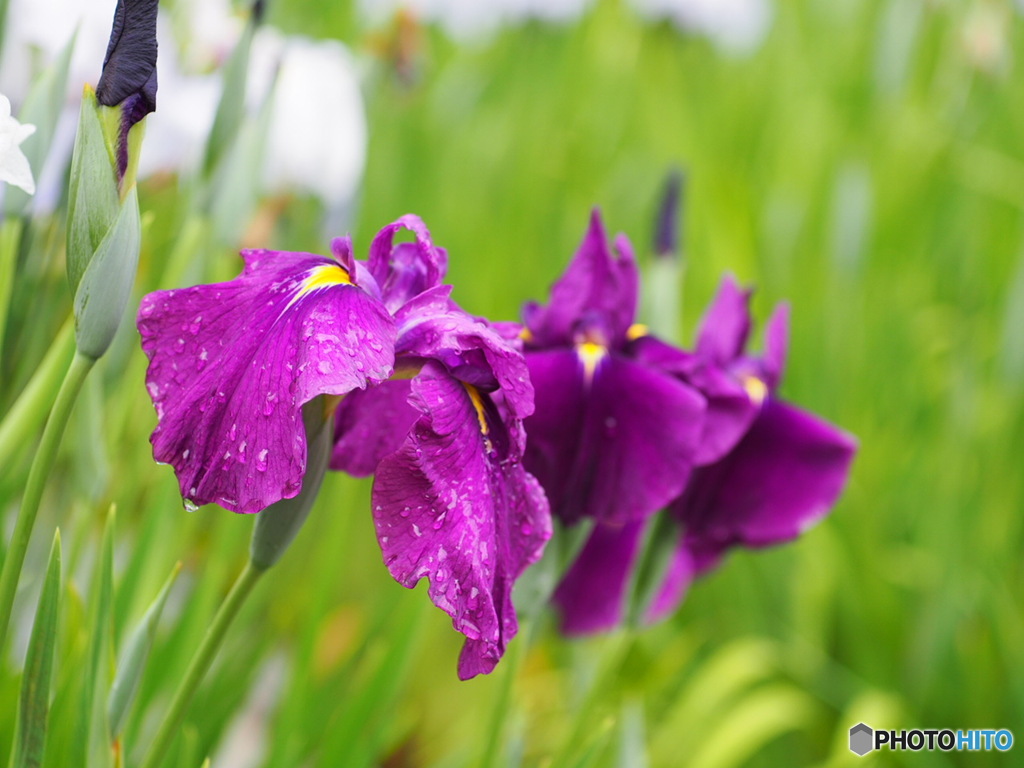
{"x": 318, "y": 133}
{"x": 14, "y": 167}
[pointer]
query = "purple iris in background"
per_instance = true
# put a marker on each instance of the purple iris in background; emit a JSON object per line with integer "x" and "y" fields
{"x": 781, "y": 477}
{"x": 232, "y": 364}
{"x": 702, "y": 435}
{"x": 612, "y": 438}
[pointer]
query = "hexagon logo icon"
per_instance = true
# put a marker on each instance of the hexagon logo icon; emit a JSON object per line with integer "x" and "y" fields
{"x": 861, "y": 739}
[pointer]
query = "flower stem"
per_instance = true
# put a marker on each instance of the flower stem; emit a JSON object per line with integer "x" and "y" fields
{"x": 40, "y": 470}
{"x": 494, "y": 748}
{"x": 200, "y": 664}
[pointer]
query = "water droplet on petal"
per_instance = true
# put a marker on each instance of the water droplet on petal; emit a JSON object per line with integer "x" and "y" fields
{"x": 190, "y": 506}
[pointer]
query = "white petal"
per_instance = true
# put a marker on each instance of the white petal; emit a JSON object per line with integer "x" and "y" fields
{"x": 14, "y": 169}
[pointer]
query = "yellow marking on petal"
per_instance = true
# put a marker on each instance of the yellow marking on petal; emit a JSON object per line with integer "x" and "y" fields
{"x": 757, "y": 390}
{"x": 478, "y": 406}
{"x": 637, "y": 330}
{"x": 323, "y": 276}
{"x": 591, "y": 355}
{"x": 525, "y": 334}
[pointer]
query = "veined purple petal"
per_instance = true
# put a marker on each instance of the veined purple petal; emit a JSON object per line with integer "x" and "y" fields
{"x": 232, "y": 364}
{"x": 406, "y": 270}
{"x": 370, "y": 424}
{"x": 432, "y": 327}
{"x": 596, "y": 294}
{"x": 725, "y": 328}
{"x": 448, "y": 507}
{"x": 610, "y": 438}
{"x": 592, "y": 595}
{"x": 780, "y": 479}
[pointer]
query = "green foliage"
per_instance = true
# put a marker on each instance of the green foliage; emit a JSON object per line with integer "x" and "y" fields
{"x": 863, "y": 164}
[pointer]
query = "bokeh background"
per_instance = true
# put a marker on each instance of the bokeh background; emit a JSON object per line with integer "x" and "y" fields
{"x": 862, "y": 159}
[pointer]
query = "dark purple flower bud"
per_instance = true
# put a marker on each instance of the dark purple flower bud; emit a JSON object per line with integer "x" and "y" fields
{"x": 129, "y": 69}
{"x": 668, "y": 228}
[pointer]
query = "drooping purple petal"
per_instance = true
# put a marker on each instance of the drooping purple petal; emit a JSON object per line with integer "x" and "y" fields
{"x": 592, "y": 595}
{"x": 615, "y": 442}
{"x": 598, "y": 291}
{"x": 448, "y": 506}
{"x": 406, "y": 270}
{"x": 433, "y": 327}
{"x": 689, "y": 562}
{"x": 232, "y": 364}
{"x": 781, "y": 478}
{"x": 370, "y": 424}
{"x": 726, "y": 325}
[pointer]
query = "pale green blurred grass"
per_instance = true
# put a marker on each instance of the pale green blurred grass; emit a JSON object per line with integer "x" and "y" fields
{"x": 857, "y": 165}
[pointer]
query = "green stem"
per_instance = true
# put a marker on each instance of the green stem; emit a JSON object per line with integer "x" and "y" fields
{"x": 10, "y": 237}
{"x": 494, "y": 751}
{"x": 40, "y": 470}
{"x": 200, "y": 664}
{"x": 29, "y": 411}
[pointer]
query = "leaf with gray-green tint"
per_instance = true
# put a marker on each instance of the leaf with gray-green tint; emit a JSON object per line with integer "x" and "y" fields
{"x": 106, "y": 285}
{"x": 231, "y": 109}
{"x": 34, "y": 705}
{"x": 93, "y": 200}
{"x": 134, "y": 656}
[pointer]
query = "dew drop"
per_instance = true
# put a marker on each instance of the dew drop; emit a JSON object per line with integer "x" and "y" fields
{"x": 190, "y": 506}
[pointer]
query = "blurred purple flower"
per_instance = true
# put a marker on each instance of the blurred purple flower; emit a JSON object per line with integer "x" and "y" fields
{"x": 767, "y": 471}
{"x": 612, "y": 438}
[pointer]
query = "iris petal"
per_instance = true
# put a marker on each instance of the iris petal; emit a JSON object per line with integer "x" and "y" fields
{"x": 449, "y": 508}
{"x": 784, "y": 475}
{"x": 592, "y": 595}
{"x": 598, "y": 288}
{"x": 232, "y": 364}
{"x": 370, "y": 424}
{"x": 616, "y": 449}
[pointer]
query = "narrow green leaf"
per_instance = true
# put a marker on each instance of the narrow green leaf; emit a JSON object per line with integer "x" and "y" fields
{"x": 755, "y": 720}
{"x": 34, "y": 705}
{"x": 230, "y": 111}
{"x": 28, "y": 414}
{"x": 10, "y": 238}
{"x": 134, "y": 656}
{"x": 92, "y": 745}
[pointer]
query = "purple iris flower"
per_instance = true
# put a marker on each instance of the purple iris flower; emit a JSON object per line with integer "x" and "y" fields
{"x": 451, "y": 499}
{"x": 612, "y": 438}
{"x": 433, "y": 405}
{"x": 767, "y": 470}
{"x": 232, "y": 364}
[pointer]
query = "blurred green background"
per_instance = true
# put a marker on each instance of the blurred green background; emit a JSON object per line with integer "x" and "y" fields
{"x": 865, "y": 163}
